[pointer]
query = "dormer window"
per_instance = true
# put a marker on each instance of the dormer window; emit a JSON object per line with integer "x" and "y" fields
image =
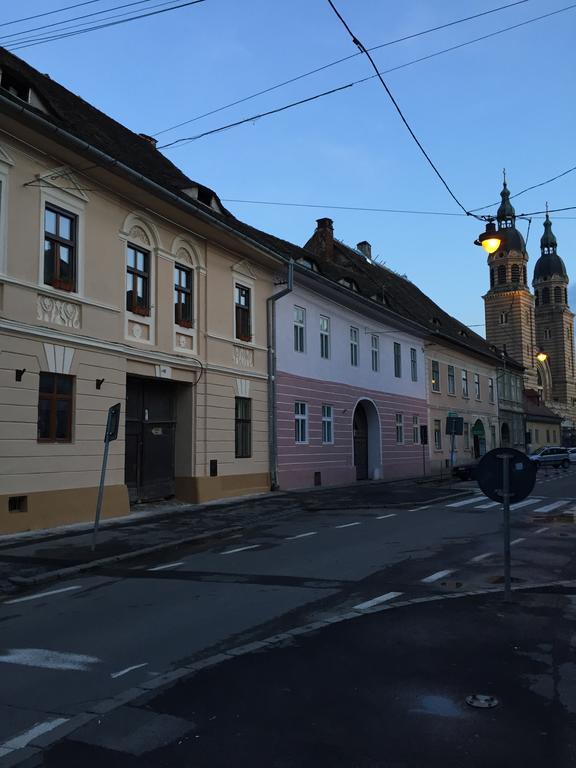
{"x": 348, "y": 283}
{"x": 308, "y": 263}
{"x": 436, "y": 322}
{"x": 463, "y": 333}
{"x": 14, "y": 85}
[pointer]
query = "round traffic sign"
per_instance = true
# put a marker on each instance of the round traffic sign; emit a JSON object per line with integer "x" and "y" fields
{"x": 522, "y": 474}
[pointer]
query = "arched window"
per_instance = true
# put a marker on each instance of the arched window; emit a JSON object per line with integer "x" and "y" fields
{"x": 515, "y": 273}
{"x": 565, "y": 295}
{"x": 501, "y": 274}
{"x": 557, "y": 295}
{"x": 537, "y": 297}
{"x": 524, "y": 276}
{"x": 546, "y": 295}
{"x": 491, "y": 278}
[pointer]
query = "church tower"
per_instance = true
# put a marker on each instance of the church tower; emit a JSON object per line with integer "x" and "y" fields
{"x": 554, "y": 323}
{"x": 509, "y": 304}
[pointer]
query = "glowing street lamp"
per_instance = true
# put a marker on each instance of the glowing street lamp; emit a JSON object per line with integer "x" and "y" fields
{"x": 541, "y": 356}
{"x": 489, "y": 240}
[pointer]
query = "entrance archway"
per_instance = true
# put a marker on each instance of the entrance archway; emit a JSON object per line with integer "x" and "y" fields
{"x": 366, "y": 437}
{"x": 505, "y": 432}
{"x": 479, "y": 437}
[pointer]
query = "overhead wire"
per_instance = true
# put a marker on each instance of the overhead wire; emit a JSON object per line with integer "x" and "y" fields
{"x": 334, "y": 63}
{"x": 528, "y": 189}
{"x": 49, "y": 13}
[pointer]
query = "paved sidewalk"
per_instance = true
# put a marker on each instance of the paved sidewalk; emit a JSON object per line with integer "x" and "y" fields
{"x": 30, "y": 559}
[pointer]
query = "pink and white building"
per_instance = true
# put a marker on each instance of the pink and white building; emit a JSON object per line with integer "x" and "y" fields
{"x": 350, "y": 387}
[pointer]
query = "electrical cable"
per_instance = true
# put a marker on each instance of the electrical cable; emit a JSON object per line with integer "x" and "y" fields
{"x": 528, "y": 189}
{"x": 104, "y": 26}
{"x": 342, "y": 207}
{"x": 50, "y": 13}
{"x": 334, "y": 63}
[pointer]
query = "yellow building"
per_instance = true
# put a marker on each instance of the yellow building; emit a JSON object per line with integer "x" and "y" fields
{"x": 121, "y": 280}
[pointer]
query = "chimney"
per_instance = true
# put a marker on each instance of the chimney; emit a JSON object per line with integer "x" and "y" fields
{"x": 365, "y": 249}
{"x": 325, "y": 229}
{"x": 149, "y": 139}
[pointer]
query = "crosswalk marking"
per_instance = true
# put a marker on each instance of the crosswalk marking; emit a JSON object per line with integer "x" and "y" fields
{"x": 526, "y": 503}
{"x": 489, "y": 505}
{"x": 464, "y": 503}
{"x": 554, "y": 505}
{"x": 377, "y": 601}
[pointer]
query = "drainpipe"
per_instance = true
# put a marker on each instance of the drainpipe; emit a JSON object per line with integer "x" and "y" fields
{"x": 271, "y": 336}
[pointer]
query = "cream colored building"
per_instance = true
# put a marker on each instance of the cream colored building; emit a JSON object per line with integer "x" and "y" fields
{"x": 465, "y": 385}
{"x": 121, "y": 281}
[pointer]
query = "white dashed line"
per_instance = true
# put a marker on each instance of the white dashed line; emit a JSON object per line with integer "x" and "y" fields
{"x": 436, "y": 576}
{"x": 416, "y": 509}
{"x": 383, "y": 517}
{"x": 347, "y": 525}
{"x": 128, "y": 669}
{"x": 37, "y": 730}
{"x": 301, "y": 535}
{"x": 479, "y": 558}
{"x": 516, "y": 541}
{"x": 541, "y": 530}
{"x": 164, "y": 567}
{"x": 376, "y": 601}
{"x": 239, "y": 549}
{"x": 41, "y": 594}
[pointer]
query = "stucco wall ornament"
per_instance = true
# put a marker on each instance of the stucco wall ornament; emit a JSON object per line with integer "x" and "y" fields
{"x": 58, "y": 311}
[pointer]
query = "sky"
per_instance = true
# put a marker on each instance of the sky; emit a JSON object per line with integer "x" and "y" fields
{"x": 505, "y": 102}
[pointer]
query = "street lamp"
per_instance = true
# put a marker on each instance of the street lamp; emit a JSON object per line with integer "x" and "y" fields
{"x": 489, "y": 240}
{"x": 541, "y": 356}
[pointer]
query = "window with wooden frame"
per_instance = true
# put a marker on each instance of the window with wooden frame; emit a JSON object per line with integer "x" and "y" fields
{"x": 60, "y": 248}
{"x": 55, "y": 405}
{"x": 183, "y": 296}
{"x": 138, "y": 281}
{"x": 243, "y": 311}
{"x": 243, "y": 427}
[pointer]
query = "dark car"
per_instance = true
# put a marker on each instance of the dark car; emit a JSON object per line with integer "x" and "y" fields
{"x": 551, "y": 455}
{"x": 465, "y": 471}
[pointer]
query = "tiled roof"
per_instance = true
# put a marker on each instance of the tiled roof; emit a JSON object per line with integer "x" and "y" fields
{"x": 536, "y": 410}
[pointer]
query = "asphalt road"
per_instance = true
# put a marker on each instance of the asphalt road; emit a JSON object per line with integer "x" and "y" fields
{"x": 74, "y": 643}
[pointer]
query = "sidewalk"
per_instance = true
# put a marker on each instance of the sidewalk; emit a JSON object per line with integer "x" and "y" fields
{"x": 34, "y": 558}
{"x": 384, "y": 690}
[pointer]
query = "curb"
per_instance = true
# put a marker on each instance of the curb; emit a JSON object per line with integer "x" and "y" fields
{"x": 32, "y": 755}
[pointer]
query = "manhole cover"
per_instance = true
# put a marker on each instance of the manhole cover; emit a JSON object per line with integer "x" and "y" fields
{"x": 482, "y": 701}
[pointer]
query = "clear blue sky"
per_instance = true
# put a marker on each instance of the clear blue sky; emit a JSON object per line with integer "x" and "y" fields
{"x": 508, "y": 101}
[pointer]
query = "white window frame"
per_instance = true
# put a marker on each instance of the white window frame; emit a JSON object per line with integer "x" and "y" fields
{"x": 413, "y": 363}
{"x": 397, "y": 360}
{"x": 477, "y": 389}
{"x": 451, "y": 380}
{"x": 185, "y": 255}
{"x": 375, "y": 352}
{"x": 416, "y": 430}
{"x": 299, "y": 326}
{"x": 437, "y": 434}
{"x": 399, "y": 423}
{"x": 464, "y": 378}
{"x": 435, "y": 380}
{"x": 327, "y": 424}
{"x": 325, "y": 337}
{"x": 354, "y": 346}
{"x": 300, "y": 422}
{"x": 151, "y": 247}
{"x": 75, "y": 207}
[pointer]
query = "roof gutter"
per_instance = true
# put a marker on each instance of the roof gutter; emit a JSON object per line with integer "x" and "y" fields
{"x": 46, "y": 127}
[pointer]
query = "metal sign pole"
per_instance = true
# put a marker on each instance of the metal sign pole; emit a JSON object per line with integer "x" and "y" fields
{"x": 100, "y": 494}
{"x": 506, "y": 515}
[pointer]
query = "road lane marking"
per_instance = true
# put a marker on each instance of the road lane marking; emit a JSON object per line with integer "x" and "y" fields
{"x": 376, "y": 601}
{"x": 41, "y": 594}
{"x": 383, "y": 517}
{"x": 415, "y": 509}
{"x": 301, "y": 535}
{"x": 347, "y": 525}
{"x": 239, "y": 549}
{"x": 37, "y": 730}
{"x": 48, "y": 659}
{"x": 128, "y": 669}
{"x": 164, "y": 567}
{"x": 516, "y": 541}
{"x": 541, "y": 530}
{"x": 554, "y": 505}
{"x": 464, "y": 503}
{"x": 479, "y": 558}
{"x": 436, "y": 576}
{"x": 489, "y": 505}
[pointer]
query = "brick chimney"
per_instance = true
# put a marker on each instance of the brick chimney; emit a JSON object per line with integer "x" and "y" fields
{"x": 365, "y": 249}
{"x": 325, "y": 230}
{"x": 149, "y": 139}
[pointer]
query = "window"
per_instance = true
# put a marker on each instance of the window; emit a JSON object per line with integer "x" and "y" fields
{"x": 493, "y": 436}
{"x": 557, "y": 295}
{"x": 300, "y": 422}
{"x": 353, "y": 346}
{"x": 243, "y": 427}
{"x": 546, "y": 295}
{"x": 415, "y": 429}
{"x": 413, "y": 364}
{"x": 464, "y": 383}
{"x": 375, "y": 350}
{"x": 547, "y": 435}
{"x": 138, "y": 281}
{"x": 451, "y": 381}
{"x": 554, "y": 438}
{"x": 537, "y": 435}
{"x": 491, "y": 390}
{"x": 547, "y": 334}
{"x": 243, "y": 309}
{"x": 437, "y": 435}
{"x": 59, "y": 249}
{"x": 183, "y": 306}
{"x": 399, "y": 428}
{"x": 327, "y": 424}
{"x": 55, "y": 401}
{"x": 503, "y": 318}
{"x": 466, "y": 435}
{"x": 299, "y": 328}
{"x": 397, "y": 360}
{"x": 477, "y": 386}
{"x": 324, "y": 337}
{"x": 515, "y": 273}
{"x": 435, "y": 376}
{"x": 501, "y": 274}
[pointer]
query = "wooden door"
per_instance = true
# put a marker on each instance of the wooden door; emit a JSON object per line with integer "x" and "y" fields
{"x": 360, "y": 428}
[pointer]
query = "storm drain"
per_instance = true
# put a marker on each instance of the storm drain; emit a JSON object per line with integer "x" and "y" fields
{"x": 482, "y": 701}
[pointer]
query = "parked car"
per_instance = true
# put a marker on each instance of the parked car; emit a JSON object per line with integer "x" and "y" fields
{"x": 551, "y": 455}
{"x": 466, "y": 471}
{"x": 572, "y": 454}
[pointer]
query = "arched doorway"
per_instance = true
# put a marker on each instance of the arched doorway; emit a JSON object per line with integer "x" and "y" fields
{"x": 505, "y": 432}
{"x": 479, "y": 437}
{"x": 366, "y": 435}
